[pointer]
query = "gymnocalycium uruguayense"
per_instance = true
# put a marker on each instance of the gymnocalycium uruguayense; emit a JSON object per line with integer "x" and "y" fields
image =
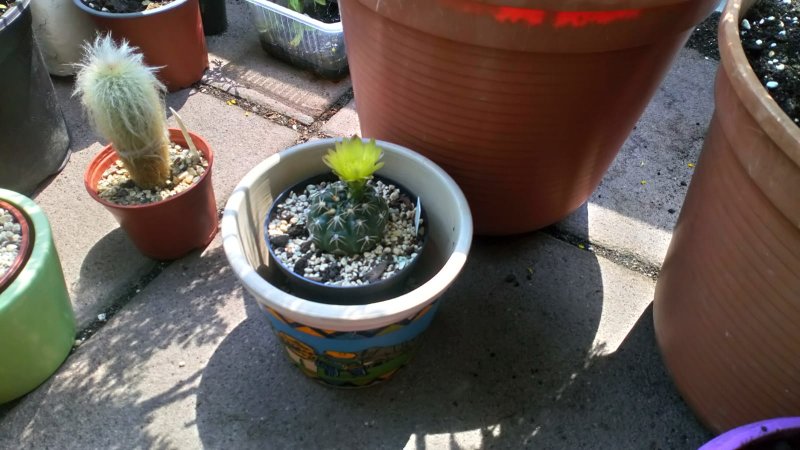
{"x": 348, "y": 216}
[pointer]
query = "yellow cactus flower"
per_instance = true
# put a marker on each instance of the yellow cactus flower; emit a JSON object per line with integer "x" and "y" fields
{"x": 354, "y": 160}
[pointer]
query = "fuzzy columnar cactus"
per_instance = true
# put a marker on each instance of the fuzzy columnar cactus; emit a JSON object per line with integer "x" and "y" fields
{"x": 124, "y": 100}
{"x": 349, "y": 216}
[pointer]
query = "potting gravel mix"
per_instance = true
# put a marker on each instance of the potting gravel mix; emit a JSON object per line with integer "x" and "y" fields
{"x": 770, "y": 35}
{"x": 187, "y": 167}
{"x": 293, "y": 247}
{"x": 10, "y": 237}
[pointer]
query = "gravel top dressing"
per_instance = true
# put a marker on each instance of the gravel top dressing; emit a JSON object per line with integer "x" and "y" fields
{"x": 292, "y": 245}
{"x": 125, "y": 6}
{"x": 771, "y": 39}
{"x": 116, "y": 186}
{"x": 10, "y": 237}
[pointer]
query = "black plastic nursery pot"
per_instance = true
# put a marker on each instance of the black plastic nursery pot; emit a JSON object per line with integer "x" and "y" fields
{"x": 215, "y": 17}
{"x": 342, "y": 295}
{"x": 35, "y": 141}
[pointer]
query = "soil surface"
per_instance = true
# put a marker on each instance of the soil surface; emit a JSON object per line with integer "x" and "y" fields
{"x": 771, "y": 39}
{"x": 117, "y": 187}
{"x": 704, "y": 37}
{"x": 125, "y": 6}
{"x": 290, "y": 240}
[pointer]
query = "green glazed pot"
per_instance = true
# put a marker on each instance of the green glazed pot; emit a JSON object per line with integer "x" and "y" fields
{"x": 37, "y": 325}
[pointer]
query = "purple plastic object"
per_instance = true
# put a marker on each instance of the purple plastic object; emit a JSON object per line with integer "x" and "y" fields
{"x": 741, "y": 437}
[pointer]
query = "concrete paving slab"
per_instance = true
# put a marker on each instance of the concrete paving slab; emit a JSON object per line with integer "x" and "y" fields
{"x": 261, "y": 79}
{"x": 344, "y": 123}
{"x": 99, "y": 261}
{"x": 538, "y": 343}
{"x": 239, "y": 37}
{"x": 637, "y": 204}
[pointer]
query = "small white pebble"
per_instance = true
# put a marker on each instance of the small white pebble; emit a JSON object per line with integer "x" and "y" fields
{"x": 746, "y": 24}
{"x": 772, "y": 84}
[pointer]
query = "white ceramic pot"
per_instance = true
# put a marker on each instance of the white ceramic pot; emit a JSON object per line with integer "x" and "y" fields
{"x": 348, "y": 346}
{"x": 60, "y": 29}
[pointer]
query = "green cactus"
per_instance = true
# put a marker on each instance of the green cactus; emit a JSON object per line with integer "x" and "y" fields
{"x": 348, "y": 216}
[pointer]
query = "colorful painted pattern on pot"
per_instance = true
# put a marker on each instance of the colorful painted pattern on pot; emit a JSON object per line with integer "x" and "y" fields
{"x": 355, "y": 358}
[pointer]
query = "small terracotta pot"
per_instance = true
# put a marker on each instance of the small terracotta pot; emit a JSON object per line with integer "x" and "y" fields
{"x": 170, "y": 37}
{"x": 524, "y": 103}
{"x": 727, "y": 302}
{"x": 37, "y": 326}
{"x": 171, "y": 228}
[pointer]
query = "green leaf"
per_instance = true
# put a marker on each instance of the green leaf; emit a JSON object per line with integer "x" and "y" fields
{"x": 296, "y": 5}
{"x": 320, "y": 2}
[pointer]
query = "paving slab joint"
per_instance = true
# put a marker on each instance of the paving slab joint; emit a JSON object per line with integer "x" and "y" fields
{"x": 117, "y": 304}
{"x": 628, "y": 260}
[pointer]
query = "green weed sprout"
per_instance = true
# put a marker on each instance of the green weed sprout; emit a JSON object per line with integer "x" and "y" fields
{"x": 124, "y": 100}
{"x": 349, "y": 216}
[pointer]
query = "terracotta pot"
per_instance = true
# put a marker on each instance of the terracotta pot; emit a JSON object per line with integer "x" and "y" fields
{"x": 525, "y": 108}
{"x": 37, "y": 326}
{"x": 171, "y": 228}
{"x": 727, "y": 303}
{"x": 35, "y": 142}
{"x": 347, "y": 345}
{"x": 170, "y": 37}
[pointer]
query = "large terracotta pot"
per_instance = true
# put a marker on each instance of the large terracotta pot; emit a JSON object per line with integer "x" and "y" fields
{"x": 171, "y": 228}
{"x": 524, "y": 102}
{"x": 170, "y": 37}
{"x": 727, "y": 303}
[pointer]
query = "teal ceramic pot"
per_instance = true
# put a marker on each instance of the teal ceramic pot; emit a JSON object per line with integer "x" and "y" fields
{"x": 37, "y": 327}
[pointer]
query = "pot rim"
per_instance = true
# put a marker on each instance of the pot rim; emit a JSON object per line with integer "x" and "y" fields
{"x": 26, "y": 242}
{"x": 39, "y": 253}
{"x": 109, "y": 150}
{"x": 755, "y": 97}
{"x": 342, "y": 317}
{"x": 134, "y": 15}
{"x": 17, "y": 10}
{"x": 745, "y": 434}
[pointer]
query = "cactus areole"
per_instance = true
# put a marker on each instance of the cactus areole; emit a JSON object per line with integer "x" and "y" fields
{"x": 349, "y": 216}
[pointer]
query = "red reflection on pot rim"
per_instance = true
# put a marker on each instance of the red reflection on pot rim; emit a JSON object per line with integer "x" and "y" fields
{"x": 537, "y": 17}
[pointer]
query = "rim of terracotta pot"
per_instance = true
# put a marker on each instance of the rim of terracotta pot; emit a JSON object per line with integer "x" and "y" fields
{"x": 574, "y": 5}
{"x": 108, "y": 151}
{"x": 755, "y": 97}
{"x": 25, "y": 245}
{"x": 322, "y": 314}
{"x": 738, "y": 437}
{"x": 150, "y": 12}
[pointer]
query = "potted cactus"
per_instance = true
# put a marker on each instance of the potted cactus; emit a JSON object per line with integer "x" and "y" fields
{"x": 362, "y": 342}
{"x": 37, "y": 326}
{"x": 353, "y": 240}
{"x": 169, "y": 34}
{"x": 148, "y": 177}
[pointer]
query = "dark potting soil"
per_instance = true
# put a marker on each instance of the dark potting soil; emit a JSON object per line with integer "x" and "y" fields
{"x": 771, "y": 39}
{"x": 125, "y": 6}
{"x": 704, "y": 37}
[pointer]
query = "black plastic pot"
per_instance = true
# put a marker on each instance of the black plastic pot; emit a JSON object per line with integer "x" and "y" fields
{"x": 35, "y": 141}
{"x": 215, "y": 18}
{"x": 342, "y": 295}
